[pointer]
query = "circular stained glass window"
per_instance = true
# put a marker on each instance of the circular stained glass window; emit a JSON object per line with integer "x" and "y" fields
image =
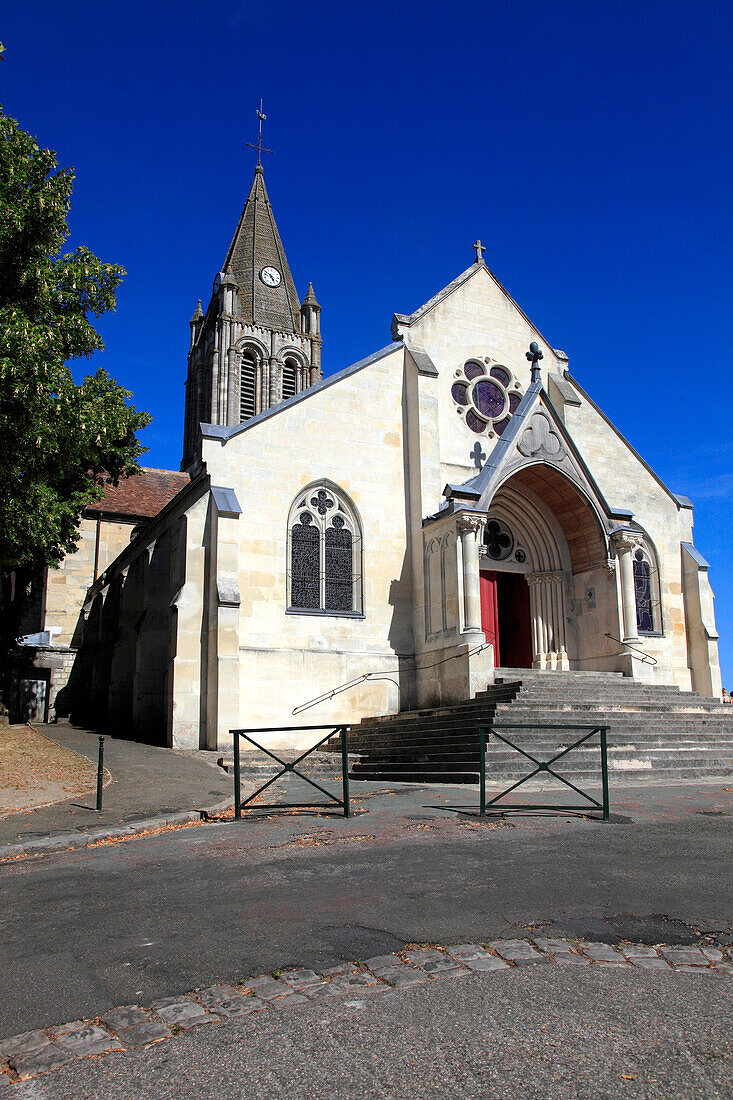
{"x": 489, "y": 398}
{"x": 482, "y": 394}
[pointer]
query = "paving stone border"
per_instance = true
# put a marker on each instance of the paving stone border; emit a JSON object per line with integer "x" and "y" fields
{"x": 132, "y": 1027}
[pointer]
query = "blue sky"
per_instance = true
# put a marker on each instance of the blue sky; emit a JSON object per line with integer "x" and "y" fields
{"x": 588, "y": 145}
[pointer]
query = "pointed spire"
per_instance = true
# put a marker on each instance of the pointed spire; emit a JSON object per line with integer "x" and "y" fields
{"x": 198, "y": 312}
{"x": 310, "y": 296}
{"x": 267, "y": 294}
{"x": 229, "y": 279}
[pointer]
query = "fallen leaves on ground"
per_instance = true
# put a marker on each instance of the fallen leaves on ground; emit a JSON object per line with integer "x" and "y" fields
{"x": 35, "y": 771}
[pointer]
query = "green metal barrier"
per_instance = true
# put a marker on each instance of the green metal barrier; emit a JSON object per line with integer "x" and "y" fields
{"x": 291, "y": 766}
{"x": 542, "y": 766}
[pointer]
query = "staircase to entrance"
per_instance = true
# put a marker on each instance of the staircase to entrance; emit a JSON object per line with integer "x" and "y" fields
{"x": 657, "y": 733}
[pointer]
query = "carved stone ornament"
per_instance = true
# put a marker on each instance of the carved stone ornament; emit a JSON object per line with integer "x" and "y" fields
{"x": 627, "y": 540}
{"x": 540, "y": 439}
{"x": 466, "y": 522}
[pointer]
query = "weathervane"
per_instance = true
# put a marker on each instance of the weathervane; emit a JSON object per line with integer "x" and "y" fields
{"x": 259, "y": 146}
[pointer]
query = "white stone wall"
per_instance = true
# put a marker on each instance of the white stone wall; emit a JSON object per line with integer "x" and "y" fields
{"x": 350, "y": 433}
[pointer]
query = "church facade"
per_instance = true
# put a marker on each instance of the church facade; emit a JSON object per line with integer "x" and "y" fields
{"x": 480, "y": 511}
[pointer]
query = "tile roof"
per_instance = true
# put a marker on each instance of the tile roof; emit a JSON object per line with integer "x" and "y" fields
{"x": 141, "y": 496}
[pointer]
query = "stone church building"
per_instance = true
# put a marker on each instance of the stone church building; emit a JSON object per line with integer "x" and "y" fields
{"x": 479, "y": 512}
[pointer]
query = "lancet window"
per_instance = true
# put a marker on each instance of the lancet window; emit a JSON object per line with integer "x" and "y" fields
{"x": 646, "y": 592}
{"x": 324, "y": 553}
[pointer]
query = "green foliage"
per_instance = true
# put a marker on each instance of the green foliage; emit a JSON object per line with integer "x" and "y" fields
{"x": 60, "y": 441}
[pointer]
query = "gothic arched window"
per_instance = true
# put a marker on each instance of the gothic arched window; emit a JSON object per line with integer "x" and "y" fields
{"x": 324, "y": 553}
{"x": 646, "y": 592}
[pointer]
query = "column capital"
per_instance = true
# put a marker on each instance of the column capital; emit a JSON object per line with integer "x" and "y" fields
{"x": 625, "y": 541}
{"x": 470, "y": 522}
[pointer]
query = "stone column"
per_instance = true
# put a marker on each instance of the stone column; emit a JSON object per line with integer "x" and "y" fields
{"x": 547, "y": 609}
{"x": 234, "y": 368}
{"x": 470, "y": 528}
{"x": 625, "y": 546}
{"x": 276, "y": 388}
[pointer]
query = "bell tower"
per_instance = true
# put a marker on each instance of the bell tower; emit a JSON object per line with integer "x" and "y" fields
{"x": 256, "y": 344}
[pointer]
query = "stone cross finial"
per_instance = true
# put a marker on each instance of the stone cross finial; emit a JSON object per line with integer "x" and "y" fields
{"x": 480, "y": 249}
{"x": 534, "y": 355}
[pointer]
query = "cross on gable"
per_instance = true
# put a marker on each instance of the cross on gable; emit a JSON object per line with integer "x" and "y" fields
{"x": 480, "y": 249}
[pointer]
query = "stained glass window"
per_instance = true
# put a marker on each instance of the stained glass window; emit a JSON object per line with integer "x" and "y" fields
{"x": 643, "y": 592}
{"x": 324, "y": 553}
{"x": 339, "y": 567}
{"x": 489, "y": 398}
{"x": 305, "y": 553}
{"x": 474, "y": 422}
{"x": 484, "y": 393}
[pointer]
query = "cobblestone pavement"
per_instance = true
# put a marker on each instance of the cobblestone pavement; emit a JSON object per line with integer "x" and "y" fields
{"x": 134, "y": 1027}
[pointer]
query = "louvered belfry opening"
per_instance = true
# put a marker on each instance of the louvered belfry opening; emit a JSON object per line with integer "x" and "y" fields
{"x": 290, "y": 376}
{"x": 247, "y": 388}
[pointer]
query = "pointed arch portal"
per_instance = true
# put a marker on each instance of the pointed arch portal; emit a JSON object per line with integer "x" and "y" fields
{"x": 545, "y": 533}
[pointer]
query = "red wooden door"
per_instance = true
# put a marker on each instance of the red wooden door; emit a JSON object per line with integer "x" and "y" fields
{"x": 490, "y": 611}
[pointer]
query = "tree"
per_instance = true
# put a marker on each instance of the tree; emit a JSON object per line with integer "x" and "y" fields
{"x": 60, "y": 442}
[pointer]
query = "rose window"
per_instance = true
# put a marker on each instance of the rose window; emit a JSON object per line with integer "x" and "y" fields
{"x": 486, "y": 396}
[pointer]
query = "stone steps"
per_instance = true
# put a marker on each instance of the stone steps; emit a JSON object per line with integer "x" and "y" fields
{"x": 653, "y": 730}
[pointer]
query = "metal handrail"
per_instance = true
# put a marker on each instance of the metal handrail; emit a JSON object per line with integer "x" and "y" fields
{"x": 292, "y": 766}
{"x": 383, "y": 676}
{"x": 639, "y": 654}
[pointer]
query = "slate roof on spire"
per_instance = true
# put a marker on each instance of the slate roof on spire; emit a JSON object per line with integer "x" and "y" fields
{"x": 310, "y": 296}
{"x": 256, "y": 244}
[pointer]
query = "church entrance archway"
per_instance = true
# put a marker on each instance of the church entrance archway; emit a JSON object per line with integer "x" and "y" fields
{"x": 505, "y": 617}
{"x": 543, "y": 550}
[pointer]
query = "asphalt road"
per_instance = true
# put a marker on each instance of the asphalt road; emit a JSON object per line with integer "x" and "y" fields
{"x": 129, "y": 922}
{"x": 536, "y": 1032}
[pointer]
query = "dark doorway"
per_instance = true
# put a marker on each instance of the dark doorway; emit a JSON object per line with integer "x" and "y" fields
{"x": 505, "y": 618}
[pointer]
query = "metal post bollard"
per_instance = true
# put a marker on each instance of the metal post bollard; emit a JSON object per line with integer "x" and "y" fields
{"x": 345, "y": 769}
{"x": 100, "y": 774}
